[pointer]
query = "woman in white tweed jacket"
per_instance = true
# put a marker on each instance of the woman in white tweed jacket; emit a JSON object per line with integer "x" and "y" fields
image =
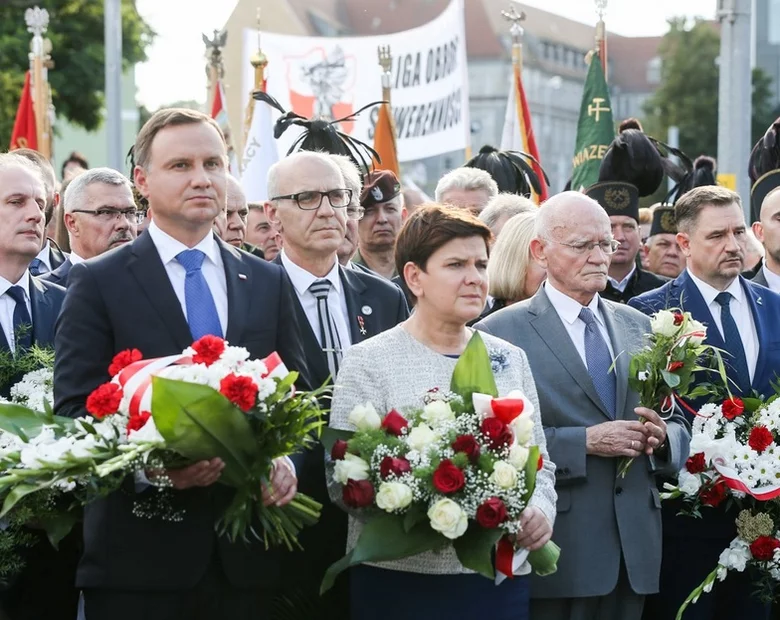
{"x": 442, "y": 254}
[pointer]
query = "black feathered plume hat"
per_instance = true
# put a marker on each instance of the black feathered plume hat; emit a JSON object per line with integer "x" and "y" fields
{"x": 510, "y": 170}
{"x": 764, "y": 168}
{"x": 321, "y": 134}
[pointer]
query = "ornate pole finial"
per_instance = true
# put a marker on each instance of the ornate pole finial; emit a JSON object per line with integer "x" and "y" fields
{"x": 259, "y": 60}
{"x": 386, "y": 62}
{"x": 214, "y": 48}
{"x": 601, "y": 8}
{"x": 37, "y": 20}
{"x": 515, "y": 17}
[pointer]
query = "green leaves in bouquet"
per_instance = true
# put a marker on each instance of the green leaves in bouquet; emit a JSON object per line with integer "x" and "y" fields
{"x": 200, "y": 423}
{"x": 26, "y": 423}
{"x": 473, "y": 372}
{"x": 475, "y": 549}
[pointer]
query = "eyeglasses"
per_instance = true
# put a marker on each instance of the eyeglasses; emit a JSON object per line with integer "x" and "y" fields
{"x": 355, "y": 212}
{"x": 134, "y": 216}
{"x": 607, "y": 247}
{"x": 311, "y": 201}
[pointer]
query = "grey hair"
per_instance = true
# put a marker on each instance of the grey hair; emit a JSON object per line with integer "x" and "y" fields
{"x": 272, "y": 183}
{"x": 552, "y": 212}
{"x": 74, "y": 194}
{"x": 467, "y": 179}
{"x": 505, "y": 205}
{"x": 12, "y": 160}
{"x": 351, "y": 176}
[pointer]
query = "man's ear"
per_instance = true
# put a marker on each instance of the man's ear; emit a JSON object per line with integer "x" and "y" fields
{"x": 684, "y": 241}
{"x": 537, "y": 252}
{"x": 139, "y": 178}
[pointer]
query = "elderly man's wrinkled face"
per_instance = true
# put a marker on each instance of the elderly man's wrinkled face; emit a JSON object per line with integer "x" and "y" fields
{"x": 109, "y": 223}
{"x": 348, "y": 247}
{"x": 380, "y": 225}
{"x": 577, "y": 252}
{"x": 473, "y": 200}
{"x": 664, "y": 256}
{"x": 261, "y": 234}
{"x": 625, "y": 230}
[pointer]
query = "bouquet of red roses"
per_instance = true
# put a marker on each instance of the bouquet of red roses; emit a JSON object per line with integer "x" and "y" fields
{"x": 459, "y": 471}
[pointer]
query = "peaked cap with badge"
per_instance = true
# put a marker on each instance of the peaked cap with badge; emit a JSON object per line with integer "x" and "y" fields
{"x": 764, "y": 168}
{"x": 379, "y": 186}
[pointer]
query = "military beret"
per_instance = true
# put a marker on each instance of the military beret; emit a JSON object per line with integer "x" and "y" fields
{"x": 379, "y": 186}
{"x": 617, "y": 198}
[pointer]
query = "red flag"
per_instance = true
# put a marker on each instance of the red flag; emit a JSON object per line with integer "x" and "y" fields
{"x": 384, "y": 141}
{"x": 518, "y": 134}
{"x": 25, "y": 133}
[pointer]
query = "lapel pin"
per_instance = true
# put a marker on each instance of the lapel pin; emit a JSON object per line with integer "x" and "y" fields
{"x": 759, "y": 302}
{"x": 367, "y": 310}
{"x": 361, "y": 324}
{"x": 241, "y": 276}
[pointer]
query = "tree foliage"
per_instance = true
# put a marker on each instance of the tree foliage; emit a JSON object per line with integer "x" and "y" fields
{"x": 76, "y": 32}
{"x": 688, "y": 93}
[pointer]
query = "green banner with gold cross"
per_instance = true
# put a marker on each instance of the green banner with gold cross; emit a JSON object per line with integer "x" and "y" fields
{"x": 595, "y": 129}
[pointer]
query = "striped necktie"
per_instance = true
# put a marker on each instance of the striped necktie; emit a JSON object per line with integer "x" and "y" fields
{"x": 329, "y": 335}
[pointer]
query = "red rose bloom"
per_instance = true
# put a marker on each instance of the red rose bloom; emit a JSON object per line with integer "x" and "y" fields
{"x": 241, "y": 391}
{"x": 339, "y": 450}
{"x": 675, "y": 366}
{"x": 207, "y": 350}
{"x": 394, "y": 423}
{"x": 497, "y": 433}
{"x": 678, "y": 318}
{"x": 763, "y": 548}
{"x": 696, "y": 464}
{"x": 732, "y": 407}
{"x": 714, "y": 495}
{"x": 507, "y": 409}
{"x": 448, "y": 478}
{"x": 391, "y": 465}
{"x": 123, "y": 359}
{"x": 358, "y": 493}
{"x": 540, "y": 462}
{"x": 468, "y": 445}
{"x": 136, "y": 422}
{"x": 760, "y": 438}
{"x": 104, "y": 400}
{"x": 491, "y": 513}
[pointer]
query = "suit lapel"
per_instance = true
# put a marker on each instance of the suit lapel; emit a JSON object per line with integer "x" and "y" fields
{"x": 42, "y": 314}
{"x": 239, "y": 283}
{"x": 359, "y": 321}
{"x": 756, "y": 303}
{"x": 551, "y": 331}
{"x": 692, "y": 301}
{"x": 621, "y": 355}
{"x": 149, "y": 272}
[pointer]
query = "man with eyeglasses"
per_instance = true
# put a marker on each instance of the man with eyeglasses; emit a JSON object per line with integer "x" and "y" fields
{"x": 337, "y": 307}
{"x": 626, "y": 278}
{"x": 100, "y": 214}
{"x": 579, "y": 346}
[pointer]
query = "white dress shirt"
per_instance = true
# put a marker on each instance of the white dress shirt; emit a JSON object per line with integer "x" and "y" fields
{"x": 621, "y": 286}
{"x": 75, "y": 259}
{"x": 740, "y": 311}
{"x": 569, "y": 311}
{"x": 213, "y": 268}
{"x": 45, "y": 255}
{"x": 772, "y": 279}
{"x": 8, "y": 305}
{"x": 337, "y": 300}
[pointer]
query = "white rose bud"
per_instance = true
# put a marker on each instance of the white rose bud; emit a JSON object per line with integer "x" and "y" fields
{"x": 393, "y": 496}
{"x": 365, "y": 417}
{"x": 695, "y": 326}
{"x": 663, "y": 323}
{"x": 437, "y": 412}
{"x": 523, "y": 428}
{"x": 420, "y": 437}
{"x": 448, "y": 518}
{"x": 351, "y": 467}
{"x": 518, "y": 457}
{"x": 504, "y": 475}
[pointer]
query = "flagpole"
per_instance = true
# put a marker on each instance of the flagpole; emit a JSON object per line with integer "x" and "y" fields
{"x": 601, "y": 37}
{"x": 516, "y": 32}
{"x": 386, "y": 62}
{"x": 113, "y": 74}
{"x": 215, "y": 69}
{"x": 259, "y": 61}
{"x": 37, "y": 21}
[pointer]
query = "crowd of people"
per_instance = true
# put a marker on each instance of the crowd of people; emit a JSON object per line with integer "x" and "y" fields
{"x": 358, "y": 282}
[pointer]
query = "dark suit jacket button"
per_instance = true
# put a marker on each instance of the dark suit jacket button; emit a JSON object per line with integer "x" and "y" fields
{"x": 618, "y": 490}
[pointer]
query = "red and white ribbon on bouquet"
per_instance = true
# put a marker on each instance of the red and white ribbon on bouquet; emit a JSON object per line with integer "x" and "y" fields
{"x": 734, "y": 482}
{"x": 136, "y": 379}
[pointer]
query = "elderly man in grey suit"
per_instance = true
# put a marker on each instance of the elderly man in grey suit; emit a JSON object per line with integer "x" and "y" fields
{"x": 579, "y": 346}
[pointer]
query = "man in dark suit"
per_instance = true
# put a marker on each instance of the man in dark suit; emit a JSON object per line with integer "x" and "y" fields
{"x": 337, "y": 307}
{"x": 741, "y": 319}
{"x": 170, "y": 286}
{"x": 579, "y": 346}
{"x": 28, "y": 312}
{"x": 100, "y": 214}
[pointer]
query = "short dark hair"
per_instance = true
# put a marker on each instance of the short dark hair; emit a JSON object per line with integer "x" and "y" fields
{"x": 161, "y": 119}
{"x": 430, "y": 227}
{"x": 690, "y": 204}
{"x": 76, "y": 158}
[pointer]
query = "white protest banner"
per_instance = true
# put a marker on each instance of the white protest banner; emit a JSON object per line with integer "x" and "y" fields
{"x": 336, "y": 76}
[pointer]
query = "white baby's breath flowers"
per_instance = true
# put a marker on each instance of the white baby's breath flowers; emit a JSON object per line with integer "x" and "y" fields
{"x": 448, "y": 518}
{"x": 351, "y": 467}
{"x": 364, "y": 417}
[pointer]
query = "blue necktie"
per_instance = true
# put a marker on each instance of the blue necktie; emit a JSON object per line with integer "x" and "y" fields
{"x": 202, "y": 315}
{"x": 737, "y": 361}
{"x": 38, "y": 267}
{"x": 329, "y": 335}
{"x": 599, "y": 362}
{"x": 23, "y": 336}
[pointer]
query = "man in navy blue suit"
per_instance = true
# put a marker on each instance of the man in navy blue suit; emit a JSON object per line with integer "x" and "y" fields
{"x": 741, "y": 319}
{"x": 170, "y": 286}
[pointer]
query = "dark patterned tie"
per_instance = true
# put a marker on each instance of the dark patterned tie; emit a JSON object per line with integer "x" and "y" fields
{"x": 736, "y": 360}
{"x": 329, "y": 335}
{"x": 202, "y": 315}
{"x": 23, "y": 336}
{"x": 599, "y": 362}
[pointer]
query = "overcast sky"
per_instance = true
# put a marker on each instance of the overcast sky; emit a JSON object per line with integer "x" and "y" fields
{"x": 176, "y": 67}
